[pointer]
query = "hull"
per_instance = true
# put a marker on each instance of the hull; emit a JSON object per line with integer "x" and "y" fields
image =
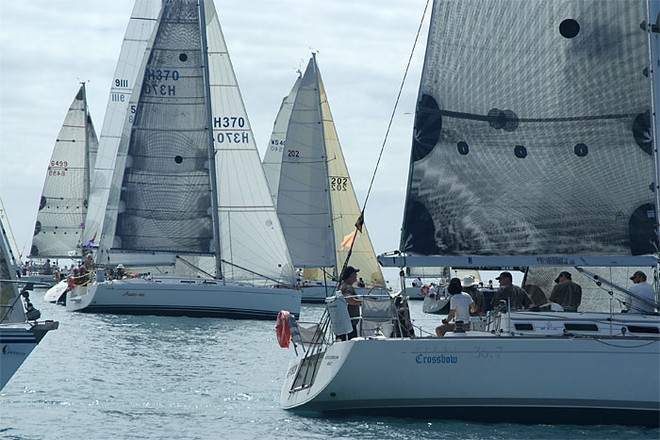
{"x": 175, "y": 297}
{"x": 54, "y": 293}
{"x": 534, "y": 377}
{"x": 435, "y": 305}
{"x": 16, "y": 343}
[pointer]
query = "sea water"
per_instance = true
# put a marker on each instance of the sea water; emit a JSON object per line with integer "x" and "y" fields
{"x": 155, "y": 377}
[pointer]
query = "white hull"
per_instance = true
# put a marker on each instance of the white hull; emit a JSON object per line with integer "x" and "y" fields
{"x": 192, "y": 297}
{"x": 435, "y": 305}
{"x": 610, "y": 377}
{"x": 17, "y": 342}
{"x": 55, "y": 292}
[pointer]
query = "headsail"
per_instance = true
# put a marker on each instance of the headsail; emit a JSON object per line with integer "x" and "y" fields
{"x": 120, "y": 109}
{"x": 63, "y": 205}
{"x": 520, "y": 154}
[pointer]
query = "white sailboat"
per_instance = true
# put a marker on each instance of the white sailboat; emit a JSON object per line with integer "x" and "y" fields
{"x": 179, "y": 194}
{"x": 314, "y": 194}
{"x": 64, "y": 199}
{"x": 530, "y": 149}
{"x": 19, "y": 334}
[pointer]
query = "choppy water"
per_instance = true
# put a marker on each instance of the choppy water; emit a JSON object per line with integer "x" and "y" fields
{"x": 152, "y": 377}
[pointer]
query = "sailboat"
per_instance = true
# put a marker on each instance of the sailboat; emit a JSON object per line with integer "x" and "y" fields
{"x": 19, "y": 334}
{"x": 64, "y": 199}
{"x": 533, "y": 147}
{"x": 179, "y": 195}
{"x": 314, "y": 194}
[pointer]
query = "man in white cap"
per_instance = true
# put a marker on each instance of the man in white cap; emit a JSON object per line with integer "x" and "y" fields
{"x": 642, "y": 290}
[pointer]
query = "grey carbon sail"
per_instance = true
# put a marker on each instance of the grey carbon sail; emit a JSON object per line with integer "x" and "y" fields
{"x": 532, "y": 133}
{"x": 166, "y": 185}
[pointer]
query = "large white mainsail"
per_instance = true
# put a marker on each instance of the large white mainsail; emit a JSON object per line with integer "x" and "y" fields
{"x": 316, "y": 201}
{"x": 63, "y": 205}
{"x": 180, "y": 187}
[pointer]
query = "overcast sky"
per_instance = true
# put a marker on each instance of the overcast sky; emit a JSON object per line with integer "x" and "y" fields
{"x": 49, "y": 46}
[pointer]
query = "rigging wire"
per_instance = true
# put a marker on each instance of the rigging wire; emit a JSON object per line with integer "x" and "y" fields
{"x": 396, "y": 104}
{"x": 360, "y": 220}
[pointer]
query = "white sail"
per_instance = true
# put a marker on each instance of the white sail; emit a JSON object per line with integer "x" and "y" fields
{"x": 273, "y": 157}
{"x": 316, "y": 201}
{"x": 11, "y": 307}
{"x": 63, "y": 205}
{"x": 250, "y": 232}
{"x": 120, "y": 109}
{"x": 15, "y": 254}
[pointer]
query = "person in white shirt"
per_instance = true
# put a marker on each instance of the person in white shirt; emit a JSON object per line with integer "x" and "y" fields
{"x": 641, "y": 289}
{"x": 460, "y": 306}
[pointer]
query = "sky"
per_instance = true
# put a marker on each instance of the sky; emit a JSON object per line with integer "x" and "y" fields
{"x": 49, "y": 46}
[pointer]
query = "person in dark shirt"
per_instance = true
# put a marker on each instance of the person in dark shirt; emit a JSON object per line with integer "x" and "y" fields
{"x": 515, "y": 296}
{"x": 348, "y": 278}
{"x": 566, "y": 293}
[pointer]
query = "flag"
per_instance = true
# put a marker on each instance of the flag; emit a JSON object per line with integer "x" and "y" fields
{"x": 359, "y": 223}
{"x": 90, "y": 242}
{"x": 348, "y": 240}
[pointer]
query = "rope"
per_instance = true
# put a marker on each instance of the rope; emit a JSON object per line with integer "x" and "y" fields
{"x": 387, "y": 132}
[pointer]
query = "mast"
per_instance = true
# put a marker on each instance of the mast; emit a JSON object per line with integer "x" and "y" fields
{"x": 212, "y": 170}
{"x": 87, "y": 164}
{"x": 653, "y": 32}
{"x": 325, "y": 168}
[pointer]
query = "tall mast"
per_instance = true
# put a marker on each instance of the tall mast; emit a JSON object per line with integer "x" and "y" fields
{"x": 325, "y": 168}
{"x": 212, "y": 170}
